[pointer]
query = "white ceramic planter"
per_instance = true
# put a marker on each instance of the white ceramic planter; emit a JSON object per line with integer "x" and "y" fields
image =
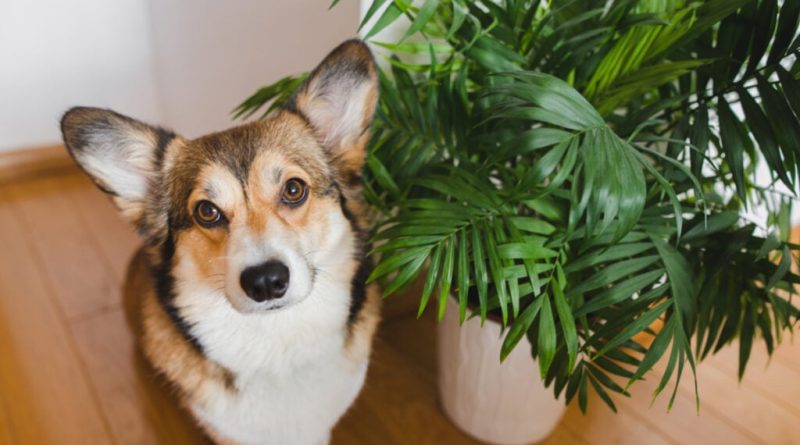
{"x": 504, "y": 404}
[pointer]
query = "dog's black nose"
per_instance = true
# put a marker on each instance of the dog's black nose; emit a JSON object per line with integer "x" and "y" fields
{"x": 266, "y": 281}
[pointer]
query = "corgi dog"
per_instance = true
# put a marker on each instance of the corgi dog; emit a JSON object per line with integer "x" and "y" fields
{"x": 256, "y": 306}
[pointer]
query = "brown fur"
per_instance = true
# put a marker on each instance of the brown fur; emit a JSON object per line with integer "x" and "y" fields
{"x": 192, "y": 374}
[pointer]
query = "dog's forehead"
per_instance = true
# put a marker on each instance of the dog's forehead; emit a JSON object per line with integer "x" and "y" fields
{"x": 261, "y": 148}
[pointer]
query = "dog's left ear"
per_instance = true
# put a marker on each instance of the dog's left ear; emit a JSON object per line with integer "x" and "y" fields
{"x": 339, "y": 100}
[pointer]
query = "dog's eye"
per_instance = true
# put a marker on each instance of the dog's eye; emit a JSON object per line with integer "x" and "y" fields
{"x": 207, "y": 214}
{"x": 294, "y": 192}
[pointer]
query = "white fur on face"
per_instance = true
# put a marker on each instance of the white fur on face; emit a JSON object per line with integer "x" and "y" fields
{"x": 308, "y": 252}
{"x": 228, "y": 335}
{"x": 293, "y": 381}
{"x": 248, "y": 249}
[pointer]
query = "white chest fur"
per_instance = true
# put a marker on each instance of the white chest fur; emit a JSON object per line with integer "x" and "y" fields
{"x": 293, "y": 377}
{"x": 293, "y": 408}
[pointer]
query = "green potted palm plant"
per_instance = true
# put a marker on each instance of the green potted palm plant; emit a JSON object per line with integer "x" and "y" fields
{"x": 582, "y": 171}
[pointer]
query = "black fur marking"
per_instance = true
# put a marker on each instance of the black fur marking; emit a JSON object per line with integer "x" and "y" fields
{"x": 358, "y": 288}
{"x": 355, "y": 180}
{"x": 238, "y": 160}
{"x": 347, "y": 213}
{"x": 358, "y": 284}
{"x": 164, "y": 137}
{"x": 101, "y": 186}
{"x": 165, "y": 290}
{"x": 291, "y": 107}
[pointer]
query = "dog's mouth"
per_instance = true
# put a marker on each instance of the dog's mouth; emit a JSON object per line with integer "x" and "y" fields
{"x": 250, "y": 307}
{"x": 246, "y": 306}
{"x": 276, "y": 307}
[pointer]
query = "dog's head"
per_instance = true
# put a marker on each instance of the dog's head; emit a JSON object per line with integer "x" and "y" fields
{"x": 259, "y": 211}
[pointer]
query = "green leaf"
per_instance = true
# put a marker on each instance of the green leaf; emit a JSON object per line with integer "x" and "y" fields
{"x": 374, "y": 7}
{"x": 787, "y": 30}
{"x": 459, "y": 14}
{"x": 673, "y": 359}
{"x": 547, "y": 337}
{"x": 524, "y": 251}
{"x": 278, "y": 92}
{"x": 783, "y": 268}
{"x": 430, "y": 279}
{"x": 481, "y": 276}
{"x": 762, "y": 131}
{"x": 621, "y": 291}
{"x": 389, "y": 15}
{"x": 416, "y": 230}
{"x": 406, "y": 275}
{"x": 463, "y": 275}
{"x": 732, "y": 144}
{"x": 791, "y": 88}
{"x": 785, "y": 126}
{"x": 520, "y": 326}
{"x": 405, "y": 242}
{"x": 699, "y": 139}
{"x": 395, "y": 261}
{"x": 763, "y": 32}
{"x": 606, "y": 255}
{"x": 612, "y": 273}
{"x": 424, "y": 16}
{"x": 583, "y": 396}
{"x": 567, "y": 324}
{"x": 532, "y": 225}
{"x": 612, "y": 367}
{"x": 711, "y": 225}
{"x": 491, "y": 60}
{"x": 447, "y": 276}
{"x": 532, "y": 140}
{"x": 602, "y": 393}
{"x": 618, "y": 184}
{"x": 415, "y": 47}
{"x": 382, "y": 175}
{"x": 551, "y": 93}
{"x": 546, "y": 165}
{"x": 680, "y": 279}
{"x": 709, "y": 14}
{"x": 496, "y": 271}
{"x": 746, "y": 339}
{"x": 547, "y": 207}
{"x": 656, "y": 350}
{"x": 641, "y": 323}
{"x": 457, "y": 189}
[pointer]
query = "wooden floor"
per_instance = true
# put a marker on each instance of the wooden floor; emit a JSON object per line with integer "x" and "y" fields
{"x": 69, "y": 373}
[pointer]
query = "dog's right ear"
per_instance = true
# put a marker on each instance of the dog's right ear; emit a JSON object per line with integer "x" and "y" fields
{"x": 120, "y": 154}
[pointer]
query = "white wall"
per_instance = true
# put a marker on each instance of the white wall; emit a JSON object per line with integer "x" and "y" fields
{"x": 211, "y": 54}
{"x": 184, "y": 64}
{"x": 55, "y": 54}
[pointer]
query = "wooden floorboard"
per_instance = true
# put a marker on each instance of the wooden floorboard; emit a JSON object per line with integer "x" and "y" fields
{"x": 70, "y": 371}
{"x": 746, "y": 407}
{"x": 137, "y": 405}
{"x": 43, "y": 383}
{"x": 776, "y": 378}
{"x": 62, "y": 241}
{"x": 116, "y": 240}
